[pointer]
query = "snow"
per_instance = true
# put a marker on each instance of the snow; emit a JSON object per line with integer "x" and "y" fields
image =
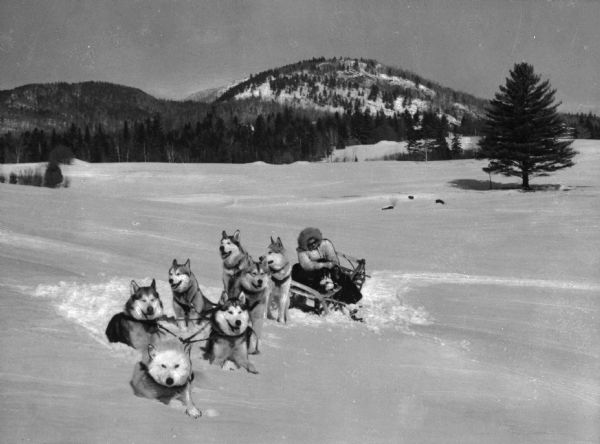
{"x": 299, "y": 97}
{"x": 369, "y": 152}
{"x": 379, "y": 150}
{"x": 481, "y": 314}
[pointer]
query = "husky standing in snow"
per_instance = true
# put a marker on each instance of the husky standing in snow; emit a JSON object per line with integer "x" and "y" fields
{"x": 253, "y": 283}
{"x": 234, "y": 258}
{"x": 230, "y": 335}
{"x": 165, "y": 373}
{"x": 137, "y": 325}
{"x": 188, "y": 300}
{"x": 280, "y": 270}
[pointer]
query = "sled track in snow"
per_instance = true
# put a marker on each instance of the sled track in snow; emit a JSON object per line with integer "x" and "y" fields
{"x": 457, "y": 278}
{"x": 92, "y": 305}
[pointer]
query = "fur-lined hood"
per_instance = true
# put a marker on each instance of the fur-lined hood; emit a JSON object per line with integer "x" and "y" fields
{"x": 305, "y": 235}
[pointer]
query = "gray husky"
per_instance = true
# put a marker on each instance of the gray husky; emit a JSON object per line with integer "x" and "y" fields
{"x": 253, "y": 283}
{"x": 230, "y": 335}
{"x": 280, "y": 270}
{"x": 234, "y": 258}
{"x": 137, "y": 325}
{"x": 189, "y": 303}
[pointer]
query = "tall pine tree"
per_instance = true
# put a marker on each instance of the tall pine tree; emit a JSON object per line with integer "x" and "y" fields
{"x": 456, "y": 146}
{"x": 522, "y": 130}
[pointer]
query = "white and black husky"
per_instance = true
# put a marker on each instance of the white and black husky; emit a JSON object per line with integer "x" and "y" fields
{"x": 137, "y": 325}
{"x": 280, "y": 270}
{"x": 253, "y": 283}
{"x": 234, "y": 258}
{"x": 230, "y": 335}
{"x": 189, "y": 303}
{"x": 165, "y": 373}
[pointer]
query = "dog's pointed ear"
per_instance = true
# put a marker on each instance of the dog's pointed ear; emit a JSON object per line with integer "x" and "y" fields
{"x": 242, "y": 299}
{"x": 134, "y": 287}
{"x": 223, "y": 298}
{"x": 272, "y": 241}
{"x": 151, "y": 352}
{"x": 174, "y": 264}
{"x": 187, "y": 263}
{"x": 224, "y": 235}
{"x": 279, "y": 241}
{"x": 153, "y": 284}
{"x": 236, "y": 235}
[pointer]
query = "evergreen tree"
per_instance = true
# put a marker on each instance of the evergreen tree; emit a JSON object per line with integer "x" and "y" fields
{"x": 87, "y": 145}
{"x": 53, "y": 176}
{"x": 125, "y": 142}
{"x": 374, "y": 93}
{"x": 456, "y": 145}
{"x": 441, "y": 148}
{"x": 522, "y": 129}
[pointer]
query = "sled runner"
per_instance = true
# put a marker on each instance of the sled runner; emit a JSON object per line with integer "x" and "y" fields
{"x": 321, "y": 302}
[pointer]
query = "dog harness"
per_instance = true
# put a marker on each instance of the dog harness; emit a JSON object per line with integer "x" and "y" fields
{"x": 187, "y": 307}
{"x": 216, "y": 332}
{"x": 232, "y": 269}
{"x": 150, "y": 325}
{"x": 280, "y": 282}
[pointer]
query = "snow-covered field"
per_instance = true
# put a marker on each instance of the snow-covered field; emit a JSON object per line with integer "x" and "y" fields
{"x": 482, "y": 315}
{"x": 385, "y": 148}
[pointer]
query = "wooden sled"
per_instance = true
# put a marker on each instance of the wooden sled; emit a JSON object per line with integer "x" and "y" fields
{"x": 311, "y": 300}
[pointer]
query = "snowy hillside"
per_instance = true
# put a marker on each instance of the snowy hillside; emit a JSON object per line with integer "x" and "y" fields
{"x": 481, "y": 313}
{"x": 345, "y": 84}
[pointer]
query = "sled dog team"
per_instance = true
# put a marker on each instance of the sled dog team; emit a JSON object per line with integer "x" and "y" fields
{"x": 252, "y": 289}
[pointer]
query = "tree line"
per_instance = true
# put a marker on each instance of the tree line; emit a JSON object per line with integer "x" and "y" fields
{"x": 583, "y": 126}
{"x": 282, "y": 136}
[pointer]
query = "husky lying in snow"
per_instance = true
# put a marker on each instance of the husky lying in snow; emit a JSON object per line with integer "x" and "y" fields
{"x": 234, "y": 258}
{"x": 165, "y": 373}
{"x": 137, "y": 325}
{"x": 189, "y": 303}
{"x": 230, "y": 335}
{"x": 280, "y": 270}
{"x": 253, "y": 283}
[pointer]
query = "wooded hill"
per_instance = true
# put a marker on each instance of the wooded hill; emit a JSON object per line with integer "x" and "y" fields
{"x": 346, "y": 85}
{"x": 297, "y": 112}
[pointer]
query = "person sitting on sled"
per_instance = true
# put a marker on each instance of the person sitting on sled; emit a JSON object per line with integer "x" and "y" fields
{"x": 316, "y": 260}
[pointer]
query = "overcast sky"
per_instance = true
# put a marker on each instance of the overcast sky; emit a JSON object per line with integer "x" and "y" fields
{"x": 175, "y": 48}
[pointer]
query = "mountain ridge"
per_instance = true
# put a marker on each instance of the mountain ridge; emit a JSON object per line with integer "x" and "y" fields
{"x": 57, "y": 105}
{"x": 346, "y": 84}
{"x": 326, "y": 85}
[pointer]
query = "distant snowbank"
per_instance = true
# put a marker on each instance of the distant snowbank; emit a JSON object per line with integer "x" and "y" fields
{"x": 366, "y": 152}
{"x": 385, "y": 148}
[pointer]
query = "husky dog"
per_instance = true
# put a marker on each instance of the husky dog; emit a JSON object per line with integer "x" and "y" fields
{"x": 253, "y": 283}
{"x": 137, "y": 325}
{"x": 165, "y": 373}
{"x": 280, "y": 282}
{"x": 234, "y": 258}
{"x": 230, "y": 334}
{"x": 188, "y": 300}
{"x": 326, "y": 282}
